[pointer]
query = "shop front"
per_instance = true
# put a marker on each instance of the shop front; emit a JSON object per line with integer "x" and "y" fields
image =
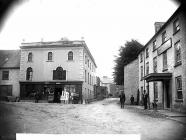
{"x": 51, "y": 91}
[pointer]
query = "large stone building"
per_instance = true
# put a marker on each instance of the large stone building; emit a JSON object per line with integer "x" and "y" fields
{"x": 162, "y": 64}
{"x": 131, "y": 81}
{"x": 49, "y": 67}
{"x": 9, "y": 73}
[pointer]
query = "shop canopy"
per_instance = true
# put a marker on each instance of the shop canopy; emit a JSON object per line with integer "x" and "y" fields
{"x": 158, "y": 77}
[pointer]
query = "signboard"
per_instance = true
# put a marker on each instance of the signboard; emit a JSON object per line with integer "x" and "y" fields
{"x": 165, "y": 46}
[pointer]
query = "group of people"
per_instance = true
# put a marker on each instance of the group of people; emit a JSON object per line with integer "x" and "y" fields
{"x": 145, "y": 96}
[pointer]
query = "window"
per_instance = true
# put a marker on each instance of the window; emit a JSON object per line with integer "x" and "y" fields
{"x": 90, "y": 66}
{"x": 88, "y": 62}
{"x": 30, "y": 57}
{"x": 29, "y": 73}
{"x": 155, "y": 64}
{"x": 5, "y": 90}
{"x": 179, "y": 87}
{"x": 141, "y": 57}
{"x": 59, "y": 74}
{"x": 164, "y": 36}
{"x": 155, "y": 90}
{"x": 147, "y": 52}
{"x": 176, "y": 26}
{"x": 85, "y": 59}
{"x": 165, "y": 60}
{"x": 147, "y": 68}
{"x": 154, "y": 45}
{"x": 141, "y": 72}
{"x": 5, "y": 75}
{"x": 177, "y": 53}
{"x": 88, "y": 78}
{"x": 50, "y": 56}
{"x": 85, "y": 76}
{"x": 70, "y": 55}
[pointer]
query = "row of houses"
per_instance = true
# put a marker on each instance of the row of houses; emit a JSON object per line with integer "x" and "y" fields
{"x": 160, "y": 68}
{"x": 48, "y": 68}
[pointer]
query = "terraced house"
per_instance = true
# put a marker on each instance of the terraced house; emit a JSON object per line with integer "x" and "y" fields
{"x": 50, "y": 68}
{"x": 162, "y": 64}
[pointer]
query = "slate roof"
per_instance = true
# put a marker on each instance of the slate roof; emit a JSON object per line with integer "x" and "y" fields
{"x": 9, "y": 59}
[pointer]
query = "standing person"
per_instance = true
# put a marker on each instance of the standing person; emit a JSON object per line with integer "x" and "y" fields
{"x": 122, "y": 99}
{"x": 132, "y": 99}
{"x": 145, "y": 99}
{"x": 36, "y": 97}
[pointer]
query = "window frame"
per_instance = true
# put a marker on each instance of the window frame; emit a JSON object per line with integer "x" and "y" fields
{"x": 179, "y": 89}
{"x": 177, "y": 62}
{"x": 147, "y": 52}
{"x": 147, "y": 68}
{"x": 50, "y": 56}
{"x": 154, "y": 43}
{"x": 30, "y": 57}
{"x": 70, "y": 56}
{"x": 141, "y": 72}
{"x": 155, "y": 65}
{"x": 5, "y": 75}
{"x": 176, "y": 28}
{"x": 29, "y": 74}
{"x": 165, "y": 65}
{"x": 164, "y": 37}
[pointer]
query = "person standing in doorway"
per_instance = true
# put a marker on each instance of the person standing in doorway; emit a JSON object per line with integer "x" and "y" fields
{"x": 122, "y": 99}
{"x": 132, "y": 100}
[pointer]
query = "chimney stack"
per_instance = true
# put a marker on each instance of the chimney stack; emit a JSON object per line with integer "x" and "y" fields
{"x": 158, "y": 25}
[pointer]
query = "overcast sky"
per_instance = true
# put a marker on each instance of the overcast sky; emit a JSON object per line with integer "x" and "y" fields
{"x": 104, "y": 24}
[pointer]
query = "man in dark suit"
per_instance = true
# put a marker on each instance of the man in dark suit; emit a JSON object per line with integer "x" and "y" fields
{"x": 122, "y": 99}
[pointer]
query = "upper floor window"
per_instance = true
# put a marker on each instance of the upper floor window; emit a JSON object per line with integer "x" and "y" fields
{"x": 176, "y": 26}
{"x": 50, "y": 56}
{"x": 59, "y": 74}
{"x": 155, "y": 64}
{"x": 177, "y": 53}
{"x": 29, "y": 73}
{"x": 141, "y": 57}
{"x": 165, "y": 60}
{"x": 70, "y": 55}
{"x": 88, "y": 62}
{"x": 30, "y": 57}
{"x": 85, "y": 76}
{"x": 154, "y": 45}
{"x": 141, "y": 72}
{"x": 179, "y": 87}
{"x": 85, "y": 59}
{"x": 147, "y": 52}
{"x": 164, "y": 37}
{"x": 5, "y": 75}
{"x": 147, "y": 68}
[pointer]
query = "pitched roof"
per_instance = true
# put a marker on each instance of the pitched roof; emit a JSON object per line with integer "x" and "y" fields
{"x": 9, "y": 59}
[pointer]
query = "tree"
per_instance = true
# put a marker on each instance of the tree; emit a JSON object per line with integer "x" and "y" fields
{"x": 127, "y": 54}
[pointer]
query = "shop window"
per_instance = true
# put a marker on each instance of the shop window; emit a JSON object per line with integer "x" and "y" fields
{"x": 49, "y": 56}
{"x": 70, "y": 55}
{"x": 30, "y": 57}
{"x": 5, "y": 75}
{"x": 177, "y": 53}
{"x": 176, "y": 26}
{"x": 29, "y": 73}
{"x": 179, "y": 87}
{"x": 59, "y": 74}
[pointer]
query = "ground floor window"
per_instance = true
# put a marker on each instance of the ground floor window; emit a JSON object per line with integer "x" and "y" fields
{"x": 5, "y": 90}
{"x": 155, "y": 90}
{"x": 179, "y": 87}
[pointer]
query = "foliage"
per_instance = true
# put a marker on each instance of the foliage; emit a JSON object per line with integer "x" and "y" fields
{"x": 127, "y": 54}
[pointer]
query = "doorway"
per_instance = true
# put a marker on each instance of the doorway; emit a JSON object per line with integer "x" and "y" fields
{"x": 57, "y": 94}
{"x": 167, "y": 94}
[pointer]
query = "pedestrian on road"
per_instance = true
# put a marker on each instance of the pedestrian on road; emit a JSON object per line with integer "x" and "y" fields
{"x": 122, "y": 99}
{"x": 36, "y": 97}
{"x": 132, "y": 100}
{"x": 145, "y": 99}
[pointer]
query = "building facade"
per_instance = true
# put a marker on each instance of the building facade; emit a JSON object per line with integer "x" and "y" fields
{"x": 162, "y": 64}
{"x": 52, "y": 67}
{"x": 131, "y": 80}
{"x": 9, "y": 73}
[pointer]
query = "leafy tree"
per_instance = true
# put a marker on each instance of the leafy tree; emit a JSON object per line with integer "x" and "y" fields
{"x": 127, "y": 54}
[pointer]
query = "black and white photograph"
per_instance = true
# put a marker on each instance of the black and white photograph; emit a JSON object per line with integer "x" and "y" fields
{"x": 92, "y": 69}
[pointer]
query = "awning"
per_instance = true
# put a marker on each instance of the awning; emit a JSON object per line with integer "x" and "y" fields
{"x": 158, "y": 77}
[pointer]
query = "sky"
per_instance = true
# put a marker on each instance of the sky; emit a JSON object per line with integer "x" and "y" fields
{"x": 105, "y": 25}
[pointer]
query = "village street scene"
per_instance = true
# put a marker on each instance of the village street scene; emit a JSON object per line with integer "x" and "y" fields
{"x": 63, "y": 72}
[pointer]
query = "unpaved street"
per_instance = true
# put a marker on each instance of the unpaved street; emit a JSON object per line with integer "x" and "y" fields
{"x": 102, "y": 117}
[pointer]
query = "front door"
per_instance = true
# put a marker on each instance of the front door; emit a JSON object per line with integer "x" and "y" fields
{"x": 167, "y": 94}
